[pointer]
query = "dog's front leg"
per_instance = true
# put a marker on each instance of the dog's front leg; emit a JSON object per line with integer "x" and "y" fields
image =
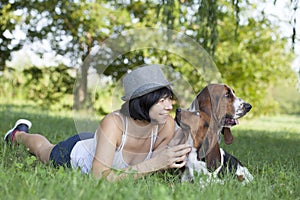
{"x": 234, "y": 166}
{"x": 187, "y": 175}
{"x": 194, "y": 166}
{"x": 243, "y": 174}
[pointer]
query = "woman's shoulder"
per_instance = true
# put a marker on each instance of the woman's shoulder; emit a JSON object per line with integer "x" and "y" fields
{"x": 111, "y": 127}
{"x": 170, "y": 121}
{"x": 112, "y": 119}
{"x": 169, "y": 125}
{"x": 114, "y": 115}
{"x": 165, "y": 132}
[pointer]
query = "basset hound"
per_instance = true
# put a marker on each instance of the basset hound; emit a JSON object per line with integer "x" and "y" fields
{"x": 214, "y": 111}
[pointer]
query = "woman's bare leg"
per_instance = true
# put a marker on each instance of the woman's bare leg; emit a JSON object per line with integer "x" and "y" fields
{"x": 36, "y": 144}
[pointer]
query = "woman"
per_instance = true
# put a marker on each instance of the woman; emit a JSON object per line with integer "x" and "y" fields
{"x": 133, "y": 139}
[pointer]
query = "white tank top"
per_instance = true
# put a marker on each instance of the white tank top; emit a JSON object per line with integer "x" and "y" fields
{"x": 83, "y": 152}
{"x": 119, "y": 162}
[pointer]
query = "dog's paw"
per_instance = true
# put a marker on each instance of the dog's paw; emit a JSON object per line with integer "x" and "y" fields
{"x": 243, "y": 175}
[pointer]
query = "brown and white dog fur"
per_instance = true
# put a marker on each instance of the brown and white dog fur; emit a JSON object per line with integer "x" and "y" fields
{"x": 214, "y": 111}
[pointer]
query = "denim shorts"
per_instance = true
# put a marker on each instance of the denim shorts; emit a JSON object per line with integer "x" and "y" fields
{"x": 60, "y": 154}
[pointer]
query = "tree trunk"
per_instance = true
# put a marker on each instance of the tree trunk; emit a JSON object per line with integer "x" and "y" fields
{"x": 80, "y": 94}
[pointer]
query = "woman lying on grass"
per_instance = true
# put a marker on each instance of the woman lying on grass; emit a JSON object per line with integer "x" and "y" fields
{"x": 133, "y": 139}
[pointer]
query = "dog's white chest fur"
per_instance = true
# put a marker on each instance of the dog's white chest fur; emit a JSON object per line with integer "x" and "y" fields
{"x": 193, "y": 165}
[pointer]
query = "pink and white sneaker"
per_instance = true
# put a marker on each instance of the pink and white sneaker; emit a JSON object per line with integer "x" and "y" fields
{"x": 20, "y": 125}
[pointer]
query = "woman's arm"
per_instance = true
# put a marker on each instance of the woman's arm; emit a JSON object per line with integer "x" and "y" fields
{"x": 165, "y": 134}
{"x": 109, "y": 134}
{"x": 169, "y": 157}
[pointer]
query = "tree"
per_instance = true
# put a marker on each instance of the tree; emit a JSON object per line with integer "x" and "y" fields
{"x": 8, "y": 22}
{"x": 254, "y": 59}
{"x": 75, "y": 27}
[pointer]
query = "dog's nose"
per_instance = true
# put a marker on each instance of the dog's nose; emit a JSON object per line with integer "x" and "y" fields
{"x": 247, "y": 106}
{"x": 178, "y": 110}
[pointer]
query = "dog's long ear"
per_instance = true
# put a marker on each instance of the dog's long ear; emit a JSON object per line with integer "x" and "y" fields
{"x": 210, "y": 149}
{"x": 203, "y": 101}
{"x": 217, "y": 108}
{"x": 203, "y": 149}
{"x": 213, "y": 158}
{"x": 228, "y": 137}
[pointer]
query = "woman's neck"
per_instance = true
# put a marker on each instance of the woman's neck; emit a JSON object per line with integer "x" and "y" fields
{"x": 142, "y": 123}
{"x": 140, "y": 128}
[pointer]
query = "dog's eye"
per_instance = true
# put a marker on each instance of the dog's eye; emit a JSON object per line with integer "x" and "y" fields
{"x": 228, "y": 94}
{"x": 197, "y": 113}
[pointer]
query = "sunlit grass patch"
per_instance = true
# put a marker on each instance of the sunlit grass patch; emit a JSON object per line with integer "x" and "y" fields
{"x": 267, "y": 146}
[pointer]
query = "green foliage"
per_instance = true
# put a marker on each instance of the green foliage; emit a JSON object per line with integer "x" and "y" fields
{"x": 8, "y": 22}
{"x": 253, "y": 61}
{"x": 47, "y": 87}
{"x": 268, "y": 146}
{"x": 288, "y": 98}
{"x": 250, "y": 54}
{"x": 81, "y": 24}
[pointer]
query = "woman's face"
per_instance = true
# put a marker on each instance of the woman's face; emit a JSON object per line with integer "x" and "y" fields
{"x": 159, "y": 112}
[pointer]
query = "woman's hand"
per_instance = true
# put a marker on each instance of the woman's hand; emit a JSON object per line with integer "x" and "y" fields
{"x": 171, "y": 157}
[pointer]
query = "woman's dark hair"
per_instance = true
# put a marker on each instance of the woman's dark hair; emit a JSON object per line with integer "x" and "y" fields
{"x": 138, "y": 108}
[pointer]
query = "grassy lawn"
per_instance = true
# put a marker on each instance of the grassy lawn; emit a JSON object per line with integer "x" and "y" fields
{"x": 268, "y": 146}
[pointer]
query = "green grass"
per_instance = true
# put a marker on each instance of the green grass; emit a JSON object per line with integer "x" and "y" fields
{"x": 268, "y": 146}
